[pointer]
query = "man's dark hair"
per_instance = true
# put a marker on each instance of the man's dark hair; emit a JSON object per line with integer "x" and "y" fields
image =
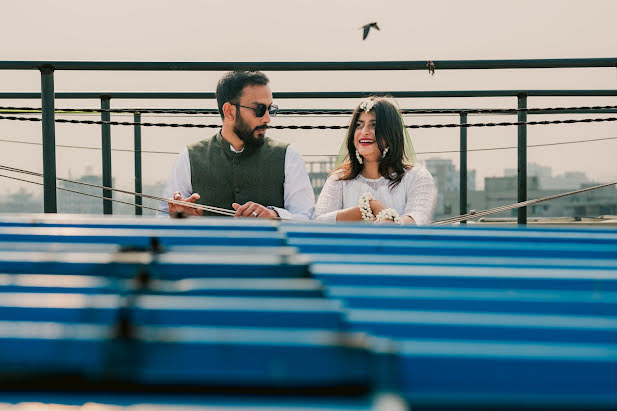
{"x": 230, "y": 86}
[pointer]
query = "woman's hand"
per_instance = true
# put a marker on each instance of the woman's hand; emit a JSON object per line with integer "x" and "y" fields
{"x": 376, "y": 206}
{"x": 354, "y": 213}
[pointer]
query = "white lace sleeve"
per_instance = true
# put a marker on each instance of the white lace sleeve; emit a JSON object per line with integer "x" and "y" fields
{"x": 298, "y": 196}
{"x": 179, "y": 180}
{"x": 421, "y": 195}
{"x": 330, "y": 200}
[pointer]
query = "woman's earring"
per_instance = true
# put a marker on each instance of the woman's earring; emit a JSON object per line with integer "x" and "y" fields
{"x": 359, "y": 157}
{"x": 384, "y": 152}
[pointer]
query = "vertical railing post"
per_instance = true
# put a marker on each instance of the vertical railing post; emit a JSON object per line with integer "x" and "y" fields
{"x": 522, "y": 158}
{"x": 463, "y": 171}
{"x": 48, "y": 107}
{"x": 106, "y": 150}
{"x": 137, "y": 147}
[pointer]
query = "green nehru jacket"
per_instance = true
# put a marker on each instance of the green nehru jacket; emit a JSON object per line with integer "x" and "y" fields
{"x": 222, "y": 177}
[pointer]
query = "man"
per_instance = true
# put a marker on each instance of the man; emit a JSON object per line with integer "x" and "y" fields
{"x": 240, "y": 167}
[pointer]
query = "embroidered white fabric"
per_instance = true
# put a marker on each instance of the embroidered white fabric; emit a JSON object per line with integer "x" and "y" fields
{"x": 415, "y": 195}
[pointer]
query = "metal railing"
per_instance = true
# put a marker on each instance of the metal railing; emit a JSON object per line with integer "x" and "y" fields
{"x": 48, "y": 97}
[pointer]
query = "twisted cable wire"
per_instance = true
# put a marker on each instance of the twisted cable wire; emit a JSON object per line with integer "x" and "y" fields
{"x": 450, "y": 220}
{"x": 307, "y": 111}
{"x": 212, "y": 209}
{"x": 82, "y": 193}
{"x": 320, "y": 127}
{"x": 477, "y": 214}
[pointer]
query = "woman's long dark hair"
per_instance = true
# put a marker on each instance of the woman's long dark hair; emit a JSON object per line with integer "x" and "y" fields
{"x": 388, "y": 133}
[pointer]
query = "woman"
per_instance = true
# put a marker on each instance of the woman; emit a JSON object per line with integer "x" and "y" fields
{"x": 377, "y": 181}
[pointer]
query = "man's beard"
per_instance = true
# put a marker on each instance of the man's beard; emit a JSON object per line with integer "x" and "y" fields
{"x": 246, "y": 134}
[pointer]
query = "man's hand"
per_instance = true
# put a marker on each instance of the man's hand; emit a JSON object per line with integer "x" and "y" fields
{"x": 252, "y": 209}
{"x": 175, "y": 209}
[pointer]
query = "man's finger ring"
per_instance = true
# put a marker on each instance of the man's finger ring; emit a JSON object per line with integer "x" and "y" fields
{"x": 254, "y": 213}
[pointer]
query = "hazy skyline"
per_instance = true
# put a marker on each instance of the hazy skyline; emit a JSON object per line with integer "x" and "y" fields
{"x": 315, "y": 31}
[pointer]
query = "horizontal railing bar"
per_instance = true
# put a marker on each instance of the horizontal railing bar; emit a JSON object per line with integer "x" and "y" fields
{"x": 322, "y": 94}
{"x": 454, "y": 112}
{"x": 115, "y": 95}
{"x": 310, "y": 65}
{"x": 446, "y": 93}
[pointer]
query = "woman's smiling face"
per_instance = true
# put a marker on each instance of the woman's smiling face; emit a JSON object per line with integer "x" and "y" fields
{"x": 364, "y": 136}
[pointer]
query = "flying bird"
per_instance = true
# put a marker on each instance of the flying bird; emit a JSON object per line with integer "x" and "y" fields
{"x": 367, "y": 28}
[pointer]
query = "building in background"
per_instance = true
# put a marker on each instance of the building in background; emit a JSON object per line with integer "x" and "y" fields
{"x": 22, "y": 201}
{"x": 90, "y": 203}
{"x": 500, "y": 191}
{"x": 318, "y": 170}
{"x": 571, "y": 180}
{"x": 447, "y": 181}
{"x": 74, "y": 203}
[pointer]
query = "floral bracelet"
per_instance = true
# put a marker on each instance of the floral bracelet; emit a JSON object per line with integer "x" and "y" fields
{"x": 388, "y": 214}
{"x": 365, "y": 207}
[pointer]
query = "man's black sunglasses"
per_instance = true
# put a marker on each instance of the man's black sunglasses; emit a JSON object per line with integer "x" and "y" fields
{"x": 260, "y": 110}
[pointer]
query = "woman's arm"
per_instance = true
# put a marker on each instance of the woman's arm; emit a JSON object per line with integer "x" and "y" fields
{"x": 354, "y": 213}
{"x": 421, "y": 197}
{"x": 330, "y": 204}
{"x": 407, "y": 219}
{"x": 330, "y": 200}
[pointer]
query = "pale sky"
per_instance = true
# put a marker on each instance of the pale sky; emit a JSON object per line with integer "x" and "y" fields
{"x": 316, "y": 30}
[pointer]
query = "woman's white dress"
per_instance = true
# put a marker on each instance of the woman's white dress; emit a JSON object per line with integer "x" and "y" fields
{"x": 414, "y": 196}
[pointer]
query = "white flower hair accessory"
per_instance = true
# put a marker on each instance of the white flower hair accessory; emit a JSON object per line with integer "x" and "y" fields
{"x": 367, "y": 105}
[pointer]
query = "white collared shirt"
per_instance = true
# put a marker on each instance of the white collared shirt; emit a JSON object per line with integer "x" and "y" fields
{"x": 298, "y": 197}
